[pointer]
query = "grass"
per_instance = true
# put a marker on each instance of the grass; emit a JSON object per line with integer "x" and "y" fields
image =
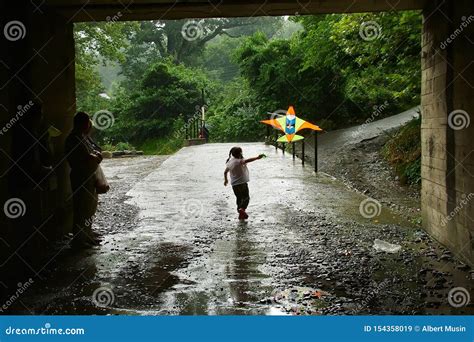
{"x": 121, "y": 146}
{"x": 161, "y": 146}
{"x": 403, "y": 152}
{"x": 155, "y": 146}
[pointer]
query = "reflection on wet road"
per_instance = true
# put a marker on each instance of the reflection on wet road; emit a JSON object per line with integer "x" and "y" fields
{"x": 172, "y": 244}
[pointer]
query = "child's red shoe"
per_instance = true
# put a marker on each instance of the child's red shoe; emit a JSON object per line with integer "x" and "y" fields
{"x": 242, "y": 214}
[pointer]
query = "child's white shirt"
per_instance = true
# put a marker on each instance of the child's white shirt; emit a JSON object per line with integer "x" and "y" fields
{"x": 239, "y": 173}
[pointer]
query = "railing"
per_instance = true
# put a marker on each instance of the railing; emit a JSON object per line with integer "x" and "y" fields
{"x": 271, "y": 138}
{"x": 194, "y": 128}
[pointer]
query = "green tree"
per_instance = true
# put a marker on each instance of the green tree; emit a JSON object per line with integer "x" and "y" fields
{"x": 166, "y": 92}
{"x": 236, "y": 114}
{"x": 385, "y": 66}
{"x": 96, "y": 43}
{"x": 276, "y": 72}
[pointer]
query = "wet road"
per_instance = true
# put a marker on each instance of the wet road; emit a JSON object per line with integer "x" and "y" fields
{"x": 172, "y": 244}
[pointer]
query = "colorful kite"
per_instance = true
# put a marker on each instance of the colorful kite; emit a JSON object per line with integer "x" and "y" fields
{"x": 290, "y": 124}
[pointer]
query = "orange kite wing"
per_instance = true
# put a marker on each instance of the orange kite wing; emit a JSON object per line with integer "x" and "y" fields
{"x": 307, "y": 125}
{"x": 273, "y": 123}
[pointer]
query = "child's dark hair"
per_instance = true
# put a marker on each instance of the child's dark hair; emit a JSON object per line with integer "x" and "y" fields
{"x": 235, "y": 152}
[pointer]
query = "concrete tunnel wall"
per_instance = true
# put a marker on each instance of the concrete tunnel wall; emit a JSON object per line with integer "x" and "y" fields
{"x": 447, "y": 144}
{"x": 41, "y": 66}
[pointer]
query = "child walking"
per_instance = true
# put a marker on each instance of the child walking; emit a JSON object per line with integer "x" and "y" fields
{"x": 239, "y": 177}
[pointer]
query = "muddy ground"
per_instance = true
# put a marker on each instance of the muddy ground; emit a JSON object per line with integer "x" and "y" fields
{"x": 362, "y": 168}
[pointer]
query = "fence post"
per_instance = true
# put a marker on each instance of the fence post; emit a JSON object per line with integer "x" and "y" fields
{"x": 302, "y": 151}
{"x": 315, "y": 151}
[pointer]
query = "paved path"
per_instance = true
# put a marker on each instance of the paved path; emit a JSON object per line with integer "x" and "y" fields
{"x": 330, "y": 143}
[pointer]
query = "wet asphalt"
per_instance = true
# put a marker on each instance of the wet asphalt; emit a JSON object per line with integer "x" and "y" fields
{"x": 172, "y": 245}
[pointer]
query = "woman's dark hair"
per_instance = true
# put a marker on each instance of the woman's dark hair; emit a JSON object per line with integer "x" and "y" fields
{"x": 235, "y": 152}
{"x": 80, "y": 119}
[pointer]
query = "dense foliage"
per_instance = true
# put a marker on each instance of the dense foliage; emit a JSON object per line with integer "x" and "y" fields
{"x": 248, "y": 67}
{"x": 165, "y": 92}
{"x": 403, "y": 152}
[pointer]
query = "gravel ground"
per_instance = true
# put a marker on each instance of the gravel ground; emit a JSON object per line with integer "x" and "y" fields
{"x": 362, "y": 168}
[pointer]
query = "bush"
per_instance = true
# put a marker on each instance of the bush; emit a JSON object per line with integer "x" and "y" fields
{"x": 148, "y": 113}
{"x": 236, "y": 115}
{"x": 403, "y": 152}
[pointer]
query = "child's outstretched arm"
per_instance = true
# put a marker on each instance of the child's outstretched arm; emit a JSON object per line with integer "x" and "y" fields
{"x": 260, "y": 156}
{"x": 226, "y": 181}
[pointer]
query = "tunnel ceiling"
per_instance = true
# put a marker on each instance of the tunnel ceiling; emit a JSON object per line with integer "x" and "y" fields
{"x": 99, "y": 10}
